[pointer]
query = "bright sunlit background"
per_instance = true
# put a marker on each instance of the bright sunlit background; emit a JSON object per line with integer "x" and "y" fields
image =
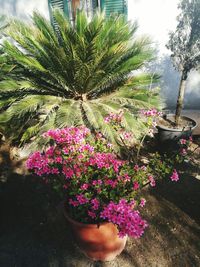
{"x": 155, "y": 18}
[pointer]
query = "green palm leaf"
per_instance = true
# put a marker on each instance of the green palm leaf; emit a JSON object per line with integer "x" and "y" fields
{"x": 72, "y": 76}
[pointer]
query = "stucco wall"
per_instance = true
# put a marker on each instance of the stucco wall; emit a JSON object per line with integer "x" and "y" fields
{"x": 23, "y": 8}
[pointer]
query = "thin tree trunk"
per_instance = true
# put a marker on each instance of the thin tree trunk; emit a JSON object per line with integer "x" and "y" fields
{"x": 180, "y": 99}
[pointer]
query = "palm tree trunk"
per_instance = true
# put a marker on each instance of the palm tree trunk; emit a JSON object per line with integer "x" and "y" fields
{"x": 180, "y": 99}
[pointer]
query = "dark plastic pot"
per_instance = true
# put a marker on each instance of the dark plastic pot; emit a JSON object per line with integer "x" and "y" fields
{"x": 171, "y": 135}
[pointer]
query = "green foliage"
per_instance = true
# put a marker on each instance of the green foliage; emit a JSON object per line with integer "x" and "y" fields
{"x": 3, "y": 23}
{"x": 72, "y": 76}
{"x": 184, "y": 42}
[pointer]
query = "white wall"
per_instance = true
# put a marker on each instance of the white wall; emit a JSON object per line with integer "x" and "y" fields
{"x": 23, "y": 8}
{"x": 156, "y": 18}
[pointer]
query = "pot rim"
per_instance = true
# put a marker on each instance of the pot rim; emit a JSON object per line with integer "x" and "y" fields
{"x": 80, "y": 224}
{"x": 179, "y": 129}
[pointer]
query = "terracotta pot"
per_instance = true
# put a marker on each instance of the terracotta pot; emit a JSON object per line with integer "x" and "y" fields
{"x": 98, "y": 242}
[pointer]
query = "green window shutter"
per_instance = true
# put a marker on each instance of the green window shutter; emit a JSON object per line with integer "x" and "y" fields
{"x": 58, "y": 4}
{"x": 64, "y": 5}
{"x": 114, "y": 7}
{"x": 94, "y": 5}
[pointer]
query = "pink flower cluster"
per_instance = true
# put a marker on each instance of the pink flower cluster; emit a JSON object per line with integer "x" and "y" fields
{"x": 114, "y": 117}
{"x": 105, "y": 160}
{"x": 128, "y": 220}
{"x": 183, "y": 152}
{"x": 142, "y": 202}
{"x": 151, "y": 112}
{"x": 183, "y": 141}
{"x": 71, "y": 135}
{"x": 41, "y": 164}
{"x": 175, "y": 176}
{"x": 96, "y": 184}
{"x": 152, "y": 181}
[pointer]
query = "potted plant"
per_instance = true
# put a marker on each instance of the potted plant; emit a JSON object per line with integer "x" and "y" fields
{"x": 101, "y": 191}
{"x": 185, "y": 47}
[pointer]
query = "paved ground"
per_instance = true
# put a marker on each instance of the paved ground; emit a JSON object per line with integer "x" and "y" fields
{"x": 194, "y": 114}
{"x": 33, "y": 231}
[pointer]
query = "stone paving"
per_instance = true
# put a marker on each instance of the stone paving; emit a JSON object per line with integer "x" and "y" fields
{"x": 194, "y": 114}
{"x": 34, "y": 233}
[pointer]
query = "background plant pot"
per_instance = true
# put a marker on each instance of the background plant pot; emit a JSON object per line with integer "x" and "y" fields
{"x": 98, "y": 242}
{"x": 168, "y": 135}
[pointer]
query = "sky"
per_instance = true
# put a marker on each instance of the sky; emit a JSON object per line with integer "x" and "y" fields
{"x": 155, "y": 18}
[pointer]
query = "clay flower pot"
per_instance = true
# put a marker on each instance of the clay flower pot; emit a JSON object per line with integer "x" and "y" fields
{"x": 98, "y": 242}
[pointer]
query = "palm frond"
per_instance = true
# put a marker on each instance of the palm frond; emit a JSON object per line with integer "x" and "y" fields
{"x": 68, "y": 114}
{"x": 95, "y": 115}
{"x": 72, "y": 76}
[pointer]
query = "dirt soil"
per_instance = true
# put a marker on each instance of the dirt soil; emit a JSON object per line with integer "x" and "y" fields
{"x": 34, "y": 233}
{"x": 170, "y": 123}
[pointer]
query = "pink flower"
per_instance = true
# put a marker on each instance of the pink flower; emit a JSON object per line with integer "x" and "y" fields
{"x": 127, "y": 135}
{"x": 136, "y": 185}
{"x": 150, "y": 113}
{"x": 58, "y": 159}
{"x": 109, "y": 145}
{"x": 142, "y": 202}
{"x": 111, "y": 183}
{"x": 92, "y": 214}
{"x": 136, "y": 168}
{"x": 152, "y": 181}
{"x": 86, "y": 147}
{"x": 68, "y": 172}
{"x": 50, "y": 151}
{"x": 144, "y": 168}
{"x": 82, "y": 199}
{"x": 183, "y": 152}
{"x": 183, "y": 141}
{"x": 96, "y": 182}
{"x": 99, "y": 135}
{"x": 114, "y": 117}
{"x": 175, "y": 176}
{"x": 73, "y": 202}
{"x": 128, "y": 221}
{"x": 107, "y": 119}
{"x": 54, "y": 171}
{"x": 85, "y": 186}
{"x": 126, "y": 177}
{"x": 95, "y": 204}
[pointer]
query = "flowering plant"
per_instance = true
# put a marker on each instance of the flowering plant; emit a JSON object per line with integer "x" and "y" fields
{"x": 96, "y": 184}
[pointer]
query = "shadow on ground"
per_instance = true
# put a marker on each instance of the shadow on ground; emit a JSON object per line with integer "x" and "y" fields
{"x": 33, "y": 232}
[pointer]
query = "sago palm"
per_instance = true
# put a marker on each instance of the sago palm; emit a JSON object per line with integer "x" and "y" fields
{"x": 72, "y": 75}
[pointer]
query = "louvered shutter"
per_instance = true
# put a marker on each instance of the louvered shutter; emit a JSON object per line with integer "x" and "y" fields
{"x": 95, "y": 5}
{"x": 114, "y": 7}
{"x": 64, "y": 5}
